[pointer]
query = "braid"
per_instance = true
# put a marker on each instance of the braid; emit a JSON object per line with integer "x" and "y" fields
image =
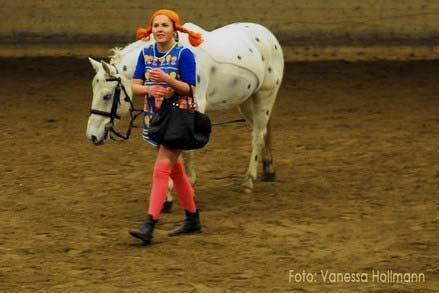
{"x": 194, "y": 38}
{"x": 142, "y": 33}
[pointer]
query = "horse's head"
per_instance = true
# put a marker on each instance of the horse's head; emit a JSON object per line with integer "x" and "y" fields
{"x": 111, "y": 99}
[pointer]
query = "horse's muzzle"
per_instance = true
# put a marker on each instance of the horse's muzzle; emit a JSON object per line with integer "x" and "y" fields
{"x": 97, "y": 141}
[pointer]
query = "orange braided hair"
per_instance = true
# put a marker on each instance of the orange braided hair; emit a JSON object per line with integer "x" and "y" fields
{"x": 143, "y": 33}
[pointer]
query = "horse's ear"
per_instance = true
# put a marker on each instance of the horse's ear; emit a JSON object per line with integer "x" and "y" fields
{"x": 107, "y": 68}
{"x": 96, "y": 65}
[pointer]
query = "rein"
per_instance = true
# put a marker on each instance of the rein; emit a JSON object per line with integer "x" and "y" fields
{"x": 134, "y": 113}
{"x": 228, "y": 122}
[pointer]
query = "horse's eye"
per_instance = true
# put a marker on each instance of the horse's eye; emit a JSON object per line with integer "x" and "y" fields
{"x": 107, "y": 97}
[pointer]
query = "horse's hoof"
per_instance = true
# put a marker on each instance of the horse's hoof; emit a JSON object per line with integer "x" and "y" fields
{"x": 248, "y": 186}
{"x": 167, "y": 207}
{"x": 248, "y": 190}
{"x": 269, "y": 177}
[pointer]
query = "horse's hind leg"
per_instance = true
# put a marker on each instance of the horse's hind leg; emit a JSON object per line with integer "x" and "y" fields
{"x": 257, "y": 110}
{"x": 268, "y": 173}
{"x": 247, "y": 109}
{"x": 188, "y": 159}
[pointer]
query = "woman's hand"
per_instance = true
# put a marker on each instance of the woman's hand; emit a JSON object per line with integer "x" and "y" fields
{"x": 158, "y": 75}
{"x": 157, "y": 91}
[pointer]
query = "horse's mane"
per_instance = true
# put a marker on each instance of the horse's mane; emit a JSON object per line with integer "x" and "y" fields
{"x": 117, "y": 55}
{"x": 119, "y": 52}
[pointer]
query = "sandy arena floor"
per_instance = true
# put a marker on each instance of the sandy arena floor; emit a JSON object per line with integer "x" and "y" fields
{"x": 356, "y": 154}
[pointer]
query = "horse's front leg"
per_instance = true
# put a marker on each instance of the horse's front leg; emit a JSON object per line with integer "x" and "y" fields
{"x": 167, "y": 206}
{"x": 189, "y": 166}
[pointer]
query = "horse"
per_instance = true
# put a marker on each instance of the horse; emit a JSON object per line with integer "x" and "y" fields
{"x": 238, "y": 65}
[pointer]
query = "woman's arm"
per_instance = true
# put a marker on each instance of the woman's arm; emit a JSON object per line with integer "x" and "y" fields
{"x": 137, "y": 82}
{"x": 138, "y": 87}
{"x": 181, "y": 87}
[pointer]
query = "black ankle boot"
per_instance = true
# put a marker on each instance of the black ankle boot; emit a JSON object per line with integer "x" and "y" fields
{"x": 145, "y": 231}
{"x": 190, "y": 225}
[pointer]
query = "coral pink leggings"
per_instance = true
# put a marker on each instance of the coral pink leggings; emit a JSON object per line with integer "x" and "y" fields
{"x": 182, "y": 185}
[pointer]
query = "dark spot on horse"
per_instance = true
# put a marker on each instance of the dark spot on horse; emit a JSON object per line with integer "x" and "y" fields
{"x": 277, "y": 82}
{"x": 256, "y": 158}
{"x": 234, "y": 82}
{"x": 269, "y": 69}
{"x": 97, "y": 80}
{"x": 250, "y": 49}
{"x": 248, "y": 87}
{"x": 224, "y": 101}
{"x": 124, "y": 68}
{"x": 239, "y": 57}
{"x": 212, "y": 69}
{"x": 198, "y": 78}
{"x": 268, "y": 112}
{"x": 263, "y": 59}
{"x": 212, "y": 92}
{"x": 257, "y": 39}
{"x": 246, "y": 26}
{"x": 275, "y": 47}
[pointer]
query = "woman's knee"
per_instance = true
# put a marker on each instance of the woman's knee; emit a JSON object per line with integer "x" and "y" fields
{"x": 167, "y": 156}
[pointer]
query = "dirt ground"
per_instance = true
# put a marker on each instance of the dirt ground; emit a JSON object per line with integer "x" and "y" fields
{"x": 357, "y": 191}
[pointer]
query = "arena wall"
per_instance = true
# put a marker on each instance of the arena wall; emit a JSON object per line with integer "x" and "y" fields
{"x": 307, "y": 29}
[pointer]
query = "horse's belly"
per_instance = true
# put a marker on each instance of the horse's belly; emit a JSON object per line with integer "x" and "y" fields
{"x": 222, "y": 102}
{"x": 229, "y": 86}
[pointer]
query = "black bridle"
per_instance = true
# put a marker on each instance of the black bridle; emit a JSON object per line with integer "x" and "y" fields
{"x": 134, "y": 113}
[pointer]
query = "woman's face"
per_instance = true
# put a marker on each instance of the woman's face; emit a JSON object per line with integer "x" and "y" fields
{"x": 162, "y": 29}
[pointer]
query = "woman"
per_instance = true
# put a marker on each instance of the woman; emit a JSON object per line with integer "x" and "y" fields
{"x": 165, "y": 73}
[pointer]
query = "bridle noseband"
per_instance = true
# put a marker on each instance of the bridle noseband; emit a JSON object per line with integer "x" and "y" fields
{"x": 134, "y": 113}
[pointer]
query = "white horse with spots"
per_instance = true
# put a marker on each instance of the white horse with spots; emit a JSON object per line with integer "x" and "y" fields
{"x": 239, "y": 65}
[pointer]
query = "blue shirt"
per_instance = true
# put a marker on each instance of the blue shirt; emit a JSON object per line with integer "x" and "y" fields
{"x": 186, "y": 66}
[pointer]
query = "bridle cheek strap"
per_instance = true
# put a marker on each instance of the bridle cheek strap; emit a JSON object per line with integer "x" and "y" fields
{"x": 134, "y": 113}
